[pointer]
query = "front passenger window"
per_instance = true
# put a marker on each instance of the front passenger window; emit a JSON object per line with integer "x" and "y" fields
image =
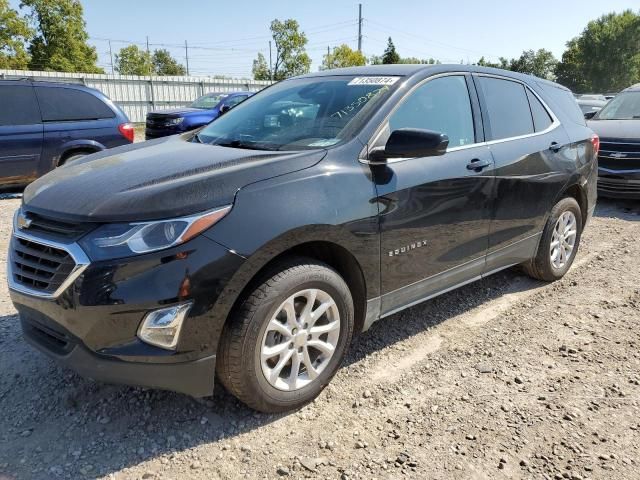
{"x": 441, "y": 105}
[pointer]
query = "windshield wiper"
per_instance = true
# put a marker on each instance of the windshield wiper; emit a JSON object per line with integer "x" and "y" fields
{"x": 244, "y": 145}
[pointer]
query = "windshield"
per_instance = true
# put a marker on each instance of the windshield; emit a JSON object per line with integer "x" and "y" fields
{"x": 299, "y": 114}
{"x": 625, "y": 106}
{"x": 209, "y": 101}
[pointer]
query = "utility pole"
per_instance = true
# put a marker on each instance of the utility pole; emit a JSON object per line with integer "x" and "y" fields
{"x": 360, "y": 27}
{"x": 328, "y": 58}
{"x": 111, "y": 55}
{"x": 186, "y": 54}
{"x": 147, "y": 43}
{"x": 270, "y": 67}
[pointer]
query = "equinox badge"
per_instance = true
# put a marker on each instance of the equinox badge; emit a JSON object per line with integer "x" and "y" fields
{"x": 407, "y": 248}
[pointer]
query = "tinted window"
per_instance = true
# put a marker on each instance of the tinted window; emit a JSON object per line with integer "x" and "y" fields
{"x": 541, "y": 118}
{"x": 563, "y": 99}
{"x": 65, "y": 104}
{"x": 19, "y": 106}
{"x": 232, "y": 102}
{"x": 441, "y": 105}
{"x": 508, "y": 108}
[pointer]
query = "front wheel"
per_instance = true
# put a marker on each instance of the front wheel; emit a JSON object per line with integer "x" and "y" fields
{"x": 288, "y": 338}
{"x": 559, "y": 243}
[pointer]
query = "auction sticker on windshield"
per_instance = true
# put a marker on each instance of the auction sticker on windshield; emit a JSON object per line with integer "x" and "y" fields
{"x": 374, "y": 81}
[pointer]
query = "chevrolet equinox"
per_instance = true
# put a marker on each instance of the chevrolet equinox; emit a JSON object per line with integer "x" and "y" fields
{"x": 253, "y": 249}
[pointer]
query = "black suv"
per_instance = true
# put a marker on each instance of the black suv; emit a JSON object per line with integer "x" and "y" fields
{"x": 618, "y": 126}
{"x": 256, "y": 247}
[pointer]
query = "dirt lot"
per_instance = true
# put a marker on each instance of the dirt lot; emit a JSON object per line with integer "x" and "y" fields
{"x": 505, "y": 378}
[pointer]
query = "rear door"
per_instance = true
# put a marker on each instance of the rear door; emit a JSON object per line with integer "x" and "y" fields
{"x": 532, "y": 158}
{"x": 435, "y": 211}
{"x": 20, "y": 134}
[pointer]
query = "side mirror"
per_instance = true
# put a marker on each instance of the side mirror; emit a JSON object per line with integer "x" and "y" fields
{"x": 411, "y": 143}
{"x": 224, "y": 109}
{"x": 590, "y": 115}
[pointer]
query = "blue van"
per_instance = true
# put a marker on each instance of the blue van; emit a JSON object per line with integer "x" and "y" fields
{"x": 44, "y": 124}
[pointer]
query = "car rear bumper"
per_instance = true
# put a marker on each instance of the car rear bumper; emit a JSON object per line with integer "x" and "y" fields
{"x": 619, "y": 184}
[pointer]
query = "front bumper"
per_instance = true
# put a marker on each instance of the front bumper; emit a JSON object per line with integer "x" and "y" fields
{"x": 92, "y": 325}
{"x": 622, "y": 184}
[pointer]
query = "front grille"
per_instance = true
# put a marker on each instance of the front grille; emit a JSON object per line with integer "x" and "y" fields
{"x": 38, "y": 266}
{"x": 619, "y": 154}
{"x": 158, "y": 121}
{"x": 57, "y": 228}
{"x": 621, "y": 187}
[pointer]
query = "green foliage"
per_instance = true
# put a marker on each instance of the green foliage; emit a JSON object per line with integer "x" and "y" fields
{"x": 343, "y": 56}
{"x": 133, "y": 60}
{"x": 260, "y": 68}
{"x": 14, "y": 34}
{"x": 60, "y": 41}
{"x": 390, "y": 55}
{"x": 420, "y": 61}
{"x": 605, "y": 56}
{"x": 165, "y": 64}
{"x": 541, "y": 63}
{"x": 291, "y": 57}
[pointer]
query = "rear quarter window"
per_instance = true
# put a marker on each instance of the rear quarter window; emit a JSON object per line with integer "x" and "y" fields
{"x": 59, "y": 104}
{"x": 565, "y": 101}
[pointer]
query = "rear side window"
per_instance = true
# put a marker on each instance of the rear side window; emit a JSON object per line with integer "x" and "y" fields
{"x": 18, "y": 105}
{"x": 232, "y": 102}
{"x": 564, "y": 100}
{"x": 508, "y": 108}
{"x": 67, "y": 104}
{"x": 441, "y": 105}
{"x": 541, "y": 118}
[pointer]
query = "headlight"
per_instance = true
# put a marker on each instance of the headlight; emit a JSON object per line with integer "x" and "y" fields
{"x": 175, "y": 121}
{"x": 117, "y": 240}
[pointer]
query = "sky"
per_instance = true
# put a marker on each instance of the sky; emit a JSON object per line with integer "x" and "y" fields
{"x": 224, "y": 37}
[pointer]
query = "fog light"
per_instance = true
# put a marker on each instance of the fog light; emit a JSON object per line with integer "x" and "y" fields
{"x": 162, "y": 327}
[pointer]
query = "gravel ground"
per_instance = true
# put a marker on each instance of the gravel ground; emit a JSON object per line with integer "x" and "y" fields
{"x": 505, "y": 378}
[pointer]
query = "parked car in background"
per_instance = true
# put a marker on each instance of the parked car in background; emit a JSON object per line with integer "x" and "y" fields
{"x": 590, "y": 107}
{"x": 43, "y": 125}
{"x": 257, "y": 247}
{"x": 162, "y": 123}
{"x": 618, "y": 125}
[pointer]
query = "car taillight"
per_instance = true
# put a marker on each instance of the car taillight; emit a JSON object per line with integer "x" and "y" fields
{"x": 595, "y": 141}
{"x": 126, "y": 129}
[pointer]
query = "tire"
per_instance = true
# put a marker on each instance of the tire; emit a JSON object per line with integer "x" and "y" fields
{"x": 545, "y": 266}
{"x": 266, "y": 383}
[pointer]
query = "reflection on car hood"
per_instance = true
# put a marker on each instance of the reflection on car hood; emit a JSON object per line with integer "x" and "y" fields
{"x": 163, "y": 178}
{"x": 621, "y": 129}
{"x": 174, "y": 112}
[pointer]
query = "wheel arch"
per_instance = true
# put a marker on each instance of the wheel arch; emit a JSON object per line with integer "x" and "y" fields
{"x": 579, "y": 194}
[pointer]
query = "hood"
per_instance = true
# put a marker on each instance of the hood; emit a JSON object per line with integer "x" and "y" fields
{"x": 164, "y": 178}
{"x": 621, "y": 129}
{"x": 174, "y": 112}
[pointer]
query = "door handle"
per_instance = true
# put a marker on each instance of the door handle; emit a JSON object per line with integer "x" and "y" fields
{"x": 555, "y": 147}
{"x": 478, "y": 165}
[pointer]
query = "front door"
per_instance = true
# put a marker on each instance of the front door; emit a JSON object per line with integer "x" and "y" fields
{"x": 20, "y": 134}
{"x": 434, "y": 211}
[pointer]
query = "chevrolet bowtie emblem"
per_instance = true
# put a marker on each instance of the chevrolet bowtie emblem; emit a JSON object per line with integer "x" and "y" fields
{"x": 618, "y": 155}
{"x": 23, "y": 222}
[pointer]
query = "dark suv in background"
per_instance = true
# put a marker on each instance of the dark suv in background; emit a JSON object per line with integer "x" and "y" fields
{"x": 618, "y": 125}
{"x": 43, "y": 125}
{"x": 205, "y": 109}
{"x": 258, "y": 246}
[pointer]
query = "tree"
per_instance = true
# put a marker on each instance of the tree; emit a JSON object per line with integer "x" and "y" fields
{"x": 390, "y": 55}
{"x": 502, "y": 63}
{"x": 420, "y": 61}
{"x": 60, "y": 41}
{"x": 291, "y": 57}
{"x": 14, "y": 34}
{"x": 605, "y": 56}
{"x": 132, "y": 60}
{"x": 165, "y": 64}
{"x": 541, "y": 63}
{"x": 260, "y": 68}
{"x": 343, "y": 56}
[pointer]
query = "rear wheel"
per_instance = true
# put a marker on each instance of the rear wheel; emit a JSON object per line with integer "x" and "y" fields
{"x": 559, "y": 243}
{"x": 288, "y": 338}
